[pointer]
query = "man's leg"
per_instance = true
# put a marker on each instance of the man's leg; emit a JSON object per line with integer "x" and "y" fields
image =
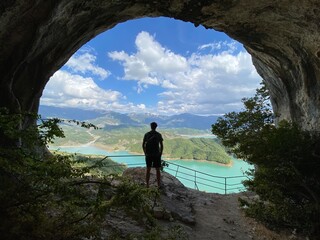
{"x": 158, "y": 177}
{"x": 148, "y": 176}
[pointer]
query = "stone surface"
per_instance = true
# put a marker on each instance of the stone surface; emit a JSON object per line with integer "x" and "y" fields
{"x": 201, "y": 215}
{"x": 38, "y": 36}
{"x": 174, "y": 199}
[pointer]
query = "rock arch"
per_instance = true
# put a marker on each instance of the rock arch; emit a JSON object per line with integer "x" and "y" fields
{"x": 38, "y": 36}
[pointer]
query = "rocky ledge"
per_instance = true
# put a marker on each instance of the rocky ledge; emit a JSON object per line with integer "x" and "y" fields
{"x": 198, "y": 215}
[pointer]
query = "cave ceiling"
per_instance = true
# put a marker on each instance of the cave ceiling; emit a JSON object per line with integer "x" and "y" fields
{"x": 38, "y": 36}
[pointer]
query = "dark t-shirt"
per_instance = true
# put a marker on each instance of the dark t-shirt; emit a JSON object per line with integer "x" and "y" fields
{"x": 152, "y": 140}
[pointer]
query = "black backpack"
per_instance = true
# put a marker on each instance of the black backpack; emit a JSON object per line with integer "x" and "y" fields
{"x": 152, "y": 144}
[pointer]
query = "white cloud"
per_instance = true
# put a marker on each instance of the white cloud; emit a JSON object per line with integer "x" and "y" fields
{"x": 150, "y": 60}
{"x": 202, "y": 83}
{"x": 85, "y": 63}
{"x": 68, "y": 90}
{"x": 224, "y": 46}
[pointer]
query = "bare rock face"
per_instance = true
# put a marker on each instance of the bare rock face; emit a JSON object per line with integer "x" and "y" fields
{"x": 37, "y": 37}
{"x": 176, "y": 201}
{"x": 198, "y": 214}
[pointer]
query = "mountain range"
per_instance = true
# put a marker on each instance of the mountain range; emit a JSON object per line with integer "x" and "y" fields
{"x": 113, "y": 120}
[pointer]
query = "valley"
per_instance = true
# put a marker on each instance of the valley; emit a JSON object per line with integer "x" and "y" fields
{"x": 130, "y": 138}
{"x": 186, "y": 136}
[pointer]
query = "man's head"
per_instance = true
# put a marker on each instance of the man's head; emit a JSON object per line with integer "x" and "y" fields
{"x": 153, "y": 125}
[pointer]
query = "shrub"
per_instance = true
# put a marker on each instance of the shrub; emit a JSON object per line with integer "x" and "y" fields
{"x": 287, "y": 165}
{"x": 44, "y": 196}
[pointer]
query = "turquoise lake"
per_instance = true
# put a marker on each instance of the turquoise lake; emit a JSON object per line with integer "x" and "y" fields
{"x": 201, "y": 175}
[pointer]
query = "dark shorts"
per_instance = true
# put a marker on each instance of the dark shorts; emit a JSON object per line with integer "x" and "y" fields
{"x": 153, "y": 161}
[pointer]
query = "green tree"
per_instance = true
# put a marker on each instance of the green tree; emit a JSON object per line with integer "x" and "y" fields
{"x": 45, "y": 196}
{"x": 238, "y": 131}
{"x": 287, "y": 164}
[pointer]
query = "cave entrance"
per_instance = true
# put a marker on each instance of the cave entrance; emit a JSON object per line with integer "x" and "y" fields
{"x": 122, "y": 76}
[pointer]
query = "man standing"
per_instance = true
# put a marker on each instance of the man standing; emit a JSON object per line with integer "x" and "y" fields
{"x": 153, "y": 147}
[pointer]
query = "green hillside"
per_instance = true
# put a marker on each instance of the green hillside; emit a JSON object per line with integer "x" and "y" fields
{"x": 192, "y": 148}
{"x": 98, "y": 165}
{"x": 176, "y": 144}
{"x": 73, "y": 136}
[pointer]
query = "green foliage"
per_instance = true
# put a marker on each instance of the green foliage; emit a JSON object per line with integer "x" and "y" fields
{"x": 138, "y": 202}
{"x": 287, "y": 160}
{"x": 42, "y": 196}
{"x": 95, "y": 165}
{"x": 135, "y": 199}
{"x": 239, "y": 131}
{"x": 45, "y": 196}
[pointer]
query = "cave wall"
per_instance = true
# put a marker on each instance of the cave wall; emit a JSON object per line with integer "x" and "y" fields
{"x": 38, "y": 36}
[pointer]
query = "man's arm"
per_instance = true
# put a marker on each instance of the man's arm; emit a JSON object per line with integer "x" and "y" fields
{"x": 161, "y": 147}
{"x": 144, "y": 144}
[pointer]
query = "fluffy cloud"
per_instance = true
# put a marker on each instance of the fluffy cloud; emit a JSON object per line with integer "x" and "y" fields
{"x": 200, "y": 83}
{"x": 210, "y": 81}
{"x": 68, "y": 90}
{"x": 85, "y": 63}
{"x": 149, "y": 62}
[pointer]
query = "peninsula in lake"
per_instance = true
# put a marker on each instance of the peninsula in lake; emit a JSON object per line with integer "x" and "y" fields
{"x": 186, "y": 136}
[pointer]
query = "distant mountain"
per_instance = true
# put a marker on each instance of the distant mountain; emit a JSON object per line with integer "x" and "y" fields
{"x": 69, "y": 113}
{"x": 113, "y": 120}
{"x": 184, "y": 120}
{"x": 187, "y": 120}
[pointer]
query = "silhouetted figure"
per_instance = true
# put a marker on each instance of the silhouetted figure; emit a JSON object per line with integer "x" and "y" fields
{"x": 153, "y": 147}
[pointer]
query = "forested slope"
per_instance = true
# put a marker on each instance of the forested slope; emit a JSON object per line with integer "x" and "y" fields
{"x": 191, "y": 148}
{"x": 176, "y": 145}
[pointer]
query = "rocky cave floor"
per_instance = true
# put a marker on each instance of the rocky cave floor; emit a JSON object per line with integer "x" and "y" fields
{"x": 200, "y": 215}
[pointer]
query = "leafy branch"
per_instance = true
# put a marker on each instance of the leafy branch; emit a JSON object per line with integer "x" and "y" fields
{"x": 286, "y": 166}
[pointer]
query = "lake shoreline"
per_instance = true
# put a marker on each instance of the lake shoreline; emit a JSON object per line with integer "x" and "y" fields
{"x": 212, "y": 169}
{"x": 116, "y": 148}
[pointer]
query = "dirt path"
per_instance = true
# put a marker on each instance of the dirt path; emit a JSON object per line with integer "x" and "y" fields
{"x": 207, "y": 216}
{"x": 219, "y": 217}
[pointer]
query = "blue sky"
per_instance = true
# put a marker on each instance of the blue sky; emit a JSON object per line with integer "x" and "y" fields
{"x": 156, "y": 65}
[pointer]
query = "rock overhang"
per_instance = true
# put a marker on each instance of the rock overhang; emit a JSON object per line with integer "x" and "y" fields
{"x": 38, "y": 37}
